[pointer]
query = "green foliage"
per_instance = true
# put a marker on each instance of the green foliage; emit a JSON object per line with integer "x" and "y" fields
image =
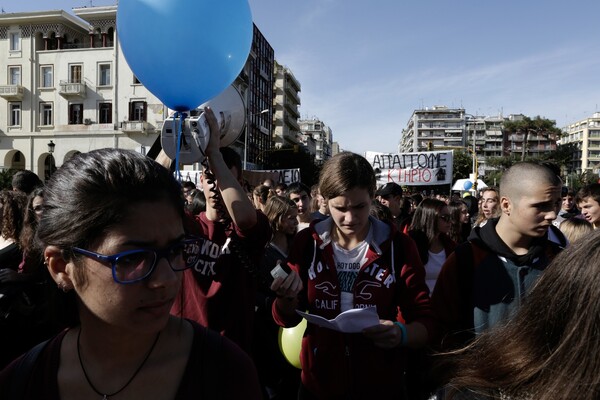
{"x": 562, "y": 156}
{"x": 502, "y": 163}
{"x": 527, "y": 126}
{"x": 492, "y": 178}
{"x": 463, "y": 165}
{"x": 537, "y": 124}
{"x": 577, "y": 181}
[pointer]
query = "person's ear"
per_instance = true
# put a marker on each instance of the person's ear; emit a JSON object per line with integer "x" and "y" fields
{"x": 60, "y": 269}
{"x": 505, "y": 205}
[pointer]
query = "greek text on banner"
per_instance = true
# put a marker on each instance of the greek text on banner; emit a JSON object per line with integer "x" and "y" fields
{"x": 420, "y": 168}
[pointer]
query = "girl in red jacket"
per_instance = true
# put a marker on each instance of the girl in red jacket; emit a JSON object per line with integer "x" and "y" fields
{"x": 348, "y": 261}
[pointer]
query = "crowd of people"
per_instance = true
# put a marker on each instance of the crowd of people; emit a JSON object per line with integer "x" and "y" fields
{"x": 138, "y": 285}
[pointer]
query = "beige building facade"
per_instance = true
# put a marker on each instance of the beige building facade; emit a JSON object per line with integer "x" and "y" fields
{"x": 64, "y": 79}
{"x": 585, "y": 136}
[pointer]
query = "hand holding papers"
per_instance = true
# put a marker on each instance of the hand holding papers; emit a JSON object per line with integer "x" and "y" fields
{"x": 351, "y": 321}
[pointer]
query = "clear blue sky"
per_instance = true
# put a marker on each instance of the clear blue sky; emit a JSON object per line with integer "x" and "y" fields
{"x": 365, "y": 66}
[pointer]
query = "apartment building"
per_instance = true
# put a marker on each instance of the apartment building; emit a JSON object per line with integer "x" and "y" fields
{"x": 256, "y": 82}
{"x": 315, "y": 130}
{"x": 435, "y": 127}
{"x": 287, "y": 100}
{"x": 442, "y": 128}
{"x": 64, "y": 79}
{"x": 585, "y": 136}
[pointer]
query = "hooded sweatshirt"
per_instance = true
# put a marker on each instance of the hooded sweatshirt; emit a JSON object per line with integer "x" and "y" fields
{"x": 348, "y": 365}
{"x": 484, "y": 282}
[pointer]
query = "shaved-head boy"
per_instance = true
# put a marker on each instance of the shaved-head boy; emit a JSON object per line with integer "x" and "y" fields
{"x": 485, "y": 280}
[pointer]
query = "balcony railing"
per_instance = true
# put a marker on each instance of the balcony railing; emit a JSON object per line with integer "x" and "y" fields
{"x": 72, "y": 89}
{"x": 135, "y": 126}
{"x": 292, "y": 122}
{"x": 12, "y": 92}
{"x": 291, "y": 91}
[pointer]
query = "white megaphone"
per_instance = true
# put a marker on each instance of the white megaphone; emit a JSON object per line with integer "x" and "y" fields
{"x": 194, "y": 132}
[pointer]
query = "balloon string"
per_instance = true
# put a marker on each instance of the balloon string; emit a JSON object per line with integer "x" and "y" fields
{"x": 178, "y": 151}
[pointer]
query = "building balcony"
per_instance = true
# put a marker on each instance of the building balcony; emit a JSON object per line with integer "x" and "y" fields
{"x": 441, "y": 117}
{"x": 292, "y": 80}
{"x": 292, "y": 108}
{"x": 292, "y": 123}
{"x": 12, "y": 92}
{"x": 135, "y": 127}
{"x": 72, "y": 89}
{"x": 291, "y": 91}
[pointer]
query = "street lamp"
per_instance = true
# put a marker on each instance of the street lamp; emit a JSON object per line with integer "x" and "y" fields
{"x": 266, "y": 110}
{"x": 475, "y": 163}
{"x": 51, "y": 166}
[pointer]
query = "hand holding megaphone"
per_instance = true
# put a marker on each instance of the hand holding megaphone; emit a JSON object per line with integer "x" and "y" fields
{"x": 189, "y": 136}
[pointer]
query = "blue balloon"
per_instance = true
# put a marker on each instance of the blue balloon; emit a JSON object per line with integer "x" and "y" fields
{"x": 468, "y": 185}
{"x": 185, "y": 51}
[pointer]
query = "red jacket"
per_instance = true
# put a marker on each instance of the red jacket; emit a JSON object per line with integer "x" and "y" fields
{"x": 337, "y": 365}
{"x": 219, "y": 292}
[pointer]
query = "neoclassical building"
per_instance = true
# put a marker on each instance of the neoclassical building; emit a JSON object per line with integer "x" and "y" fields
{"x": 65, "y": 87}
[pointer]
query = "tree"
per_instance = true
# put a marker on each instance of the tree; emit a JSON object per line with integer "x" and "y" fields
{"x": 539, "y": 125}
{"x": 562, "y": 156}
{"x": 463, "y": 165}
{"x": 577, "y": 181}
{"x": 501, "y": 163}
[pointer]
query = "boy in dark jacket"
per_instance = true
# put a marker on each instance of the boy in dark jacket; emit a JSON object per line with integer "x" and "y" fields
{"x": 487, "y": 278}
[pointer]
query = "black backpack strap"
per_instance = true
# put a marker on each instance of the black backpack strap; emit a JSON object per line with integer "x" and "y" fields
{"x": 23, "y": 369}
{"x": 212, "y": 350}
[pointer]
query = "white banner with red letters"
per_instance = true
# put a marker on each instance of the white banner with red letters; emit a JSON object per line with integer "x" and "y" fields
{"x": 412, "y": 169}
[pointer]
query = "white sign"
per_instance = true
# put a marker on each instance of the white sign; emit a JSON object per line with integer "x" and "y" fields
{"x": 286, "y": 176}
{"x": 412, "y": 169}
{"x": 191, "y": 175}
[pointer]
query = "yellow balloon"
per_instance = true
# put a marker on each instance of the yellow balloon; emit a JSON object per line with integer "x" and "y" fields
{"x": 290, "y": 343}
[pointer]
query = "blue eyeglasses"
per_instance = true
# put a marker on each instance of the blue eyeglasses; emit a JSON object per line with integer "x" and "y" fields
{"x": 135, "y": 265}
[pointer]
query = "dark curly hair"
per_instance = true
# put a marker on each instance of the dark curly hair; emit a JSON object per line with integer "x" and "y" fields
{"x": 13, "y": 209}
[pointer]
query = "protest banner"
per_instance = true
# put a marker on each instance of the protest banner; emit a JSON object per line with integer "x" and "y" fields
{"x": 412, "y": 169}
{"x": 191, "y": 176}
{"x": 253, "y": 177}
{"x": 287, "y": 176}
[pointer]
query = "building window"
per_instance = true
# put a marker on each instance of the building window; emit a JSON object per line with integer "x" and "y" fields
{"x": 137, "y": 111}
{"x": 75, "y": 73}
{"x": 105, "y": 113}
{"x": 104, "y": 75}
{"x": 15, "y": 41}
{"x": 46, "y": 114}
{"x": 15, "y": 114}
{"x": 14, "y": 75}
{"x": 46, "y": 76}
{"x": 75, "y": 114}
{"x": 136, "y": 81}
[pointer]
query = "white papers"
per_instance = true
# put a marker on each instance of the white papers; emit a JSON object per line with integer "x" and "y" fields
{"x": 351, "y": 321}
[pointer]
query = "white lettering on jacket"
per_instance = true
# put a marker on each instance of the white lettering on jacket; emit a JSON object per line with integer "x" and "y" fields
{"x": 326, "y": 304}
{"x": 311, "y": 271}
